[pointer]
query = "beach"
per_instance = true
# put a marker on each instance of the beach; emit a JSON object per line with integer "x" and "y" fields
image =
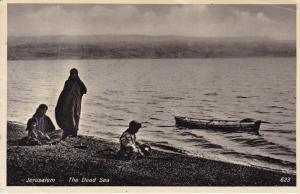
{"x": 91, "y": 161}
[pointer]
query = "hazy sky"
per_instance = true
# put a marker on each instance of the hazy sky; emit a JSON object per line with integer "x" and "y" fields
{"x": 274, "y": 21}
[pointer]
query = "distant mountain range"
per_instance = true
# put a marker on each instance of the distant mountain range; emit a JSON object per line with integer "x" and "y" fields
{"x": 142, "y": 46}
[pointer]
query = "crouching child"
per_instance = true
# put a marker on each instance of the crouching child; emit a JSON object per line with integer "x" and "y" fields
{"x": 129, "y": 148}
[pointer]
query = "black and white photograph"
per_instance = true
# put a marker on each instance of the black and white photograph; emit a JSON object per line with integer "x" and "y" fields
{"x": 151, "y": 94}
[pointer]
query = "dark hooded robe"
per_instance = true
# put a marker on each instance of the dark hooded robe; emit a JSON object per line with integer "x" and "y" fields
{"x": 44, "y": 123}
{"x": 67, "y": 110}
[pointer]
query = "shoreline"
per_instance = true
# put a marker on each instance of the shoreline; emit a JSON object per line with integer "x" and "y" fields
{"x": 89, "y": 160}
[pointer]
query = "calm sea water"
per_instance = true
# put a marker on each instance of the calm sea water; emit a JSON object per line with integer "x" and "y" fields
{"x": 154, "y": 90}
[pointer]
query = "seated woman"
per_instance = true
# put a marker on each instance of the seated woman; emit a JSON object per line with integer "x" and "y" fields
{"x": 44, "y": 123}
{"x": 35, "y": 136}
{"x": 129, "y": 148}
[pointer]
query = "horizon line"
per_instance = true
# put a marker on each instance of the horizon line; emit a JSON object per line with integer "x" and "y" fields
{"x": 147, "y": 35}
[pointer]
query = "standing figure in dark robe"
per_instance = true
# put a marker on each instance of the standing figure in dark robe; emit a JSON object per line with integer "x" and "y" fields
{"x": 43, "y": 122}
{"x": 67, "y": 111}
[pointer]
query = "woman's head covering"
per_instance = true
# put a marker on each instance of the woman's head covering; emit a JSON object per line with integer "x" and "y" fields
{"x": 41, "y": 110}
{"x": 73, "y": 71}
{"x": 43, "y": 106}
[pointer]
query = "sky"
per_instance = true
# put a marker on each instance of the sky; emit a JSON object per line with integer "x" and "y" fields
{"x": 272, "y": 21}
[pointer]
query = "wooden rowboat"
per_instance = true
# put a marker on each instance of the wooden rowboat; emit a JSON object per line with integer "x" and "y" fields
{"x": 215, "y": 124}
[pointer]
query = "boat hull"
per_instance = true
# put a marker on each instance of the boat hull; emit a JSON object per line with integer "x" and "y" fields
{"x": 224, "y": 125}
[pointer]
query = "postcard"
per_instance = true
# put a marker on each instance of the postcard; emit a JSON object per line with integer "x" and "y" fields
{"x": 156, "y": 96}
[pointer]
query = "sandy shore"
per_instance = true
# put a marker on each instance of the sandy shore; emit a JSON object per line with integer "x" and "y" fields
{"x": 87, "y": 160}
